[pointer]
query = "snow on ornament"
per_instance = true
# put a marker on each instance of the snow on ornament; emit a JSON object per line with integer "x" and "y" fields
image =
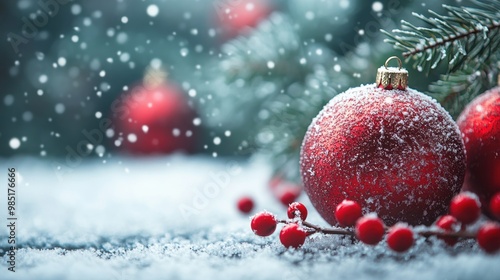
{"x": 480, "y": 127}
{"x": 154, "y": 118}
{"x": 392, "y": 149}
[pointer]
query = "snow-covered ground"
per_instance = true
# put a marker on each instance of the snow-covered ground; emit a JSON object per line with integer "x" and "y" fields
{"x": 175, "y": 218}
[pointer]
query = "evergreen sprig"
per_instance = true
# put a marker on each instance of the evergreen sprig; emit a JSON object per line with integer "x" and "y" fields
{"x": 465, "y": 40}
{"x": 455, "y": 91}
{"x": 280, "y": 82}
{"x": 283, "y": 99}
{"x": 290, "y": 114}
{"x": 271, "y": 50}
{"x": 253, "y": 70}
{"x": 461, "y": 38}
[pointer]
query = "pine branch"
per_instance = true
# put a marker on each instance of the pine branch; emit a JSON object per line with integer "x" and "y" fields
{"x": 251, "y": 71}
{"x": 290, "y": 115}
{"x": 272, "y": 50}
{"x": 456, "y": 90}
{"x": 281, "y": 83}
{"x": 461, "y": 38}
{"x": 465, "y": 40}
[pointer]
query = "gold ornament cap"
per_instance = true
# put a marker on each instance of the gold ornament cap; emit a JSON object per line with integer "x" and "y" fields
{"x": 392, "y": 77}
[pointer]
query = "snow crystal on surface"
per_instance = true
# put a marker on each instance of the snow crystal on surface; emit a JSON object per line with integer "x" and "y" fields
{"x": 100, "y": 222}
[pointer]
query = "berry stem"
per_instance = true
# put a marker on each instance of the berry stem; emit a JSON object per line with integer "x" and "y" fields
{"x": 460, "y": 234}
{"x": 312, "y": 228}
{"x": 318, "y": 229}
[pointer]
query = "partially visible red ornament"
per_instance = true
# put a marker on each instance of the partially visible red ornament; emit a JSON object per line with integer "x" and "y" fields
{"x": 392, "y": 149}
{"x": 480, "y": 127}
{"x": 154, "y": 118}
{"x": 236, "y": 16}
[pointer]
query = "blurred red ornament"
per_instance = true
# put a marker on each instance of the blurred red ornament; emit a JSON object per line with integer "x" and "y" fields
{"x": 155, "y": 118}
{"x": 480, "y": 127}
{"x": 236, "y": 16}
{"x": 396, "y": 152}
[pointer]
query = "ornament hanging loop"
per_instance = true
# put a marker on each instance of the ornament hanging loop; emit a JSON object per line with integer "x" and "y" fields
{"x": 400, "y": 63}
{"x": 392, "y": 77}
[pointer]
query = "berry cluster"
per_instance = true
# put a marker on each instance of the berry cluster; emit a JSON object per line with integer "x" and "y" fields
{"x": 465, "y": 210}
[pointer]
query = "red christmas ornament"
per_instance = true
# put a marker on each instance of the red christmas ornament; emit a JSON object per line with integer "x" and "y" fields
{"x": 154, "y": 118}
{"x": 480, "y": 127}
{"x": 236, "y": 16}
{"x": 392, "y": 149}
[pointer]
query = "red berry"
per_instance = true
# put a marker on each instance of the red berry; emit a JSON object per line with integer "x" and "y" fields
{"x": 245, "y": 204}
{"x": 292, "y": 236}
{"x": 466, "y": 208}
{"x": 347, "y": 213}
{"x": 297, "y": 209}
{"x": 448, "y": 223}
{"x": 370, "y": 230}
{"x": 275, "y": 181}
{"x": 400, "y": 238}
{"x": 488, "y": 237}
{"x": 263, "y": 224}
{"x": 288, "y": 196}
{"x": 285, "y": 191}
{"x": 495, "y": 206}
